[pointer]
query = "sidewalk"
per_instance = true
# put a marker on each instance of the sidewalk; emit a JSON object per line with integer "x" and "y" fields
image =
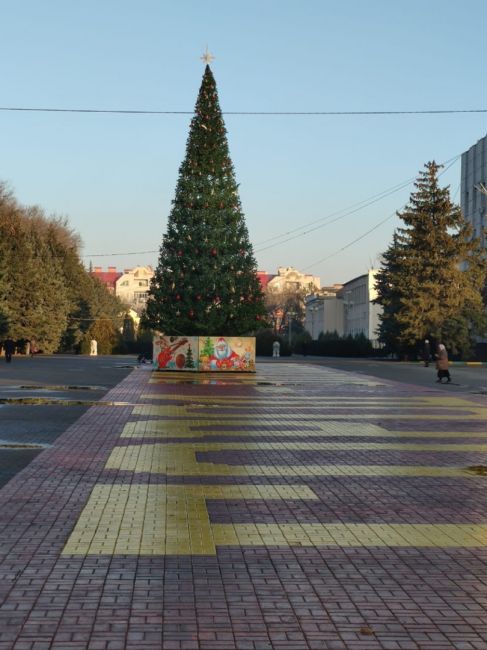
{"x": 298, "y": 508}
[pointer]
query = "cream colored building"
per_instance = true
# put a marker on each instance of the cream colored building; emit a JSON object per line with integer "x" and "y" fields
{"x": 290, "y": 279}
{"x": 324, "y": 312}
{"x": 133, "y": 285}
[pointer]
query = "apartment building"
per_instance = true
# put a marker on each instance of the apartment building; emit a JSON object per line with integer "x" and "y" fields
{"x": 133, "y": 285}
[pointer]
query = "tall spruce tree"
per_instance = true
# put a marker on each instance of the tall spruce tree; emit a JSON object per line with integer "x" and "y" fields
{"x": 205, "y": 282}
{"x": 433, "y": 273}
{"x": 391, "y": 286}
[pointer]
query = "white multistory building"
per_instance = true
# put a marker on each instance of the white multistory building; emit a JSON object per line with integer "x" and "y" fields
{"x": 345, "y": 309}
{"x": 360, "y": 314}
{"x": 133, "y": 285}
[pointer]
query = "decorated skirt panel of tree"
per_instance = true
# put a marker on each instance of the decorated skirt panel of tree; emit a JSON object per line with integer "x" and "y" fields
{"x": 204, "y": 353}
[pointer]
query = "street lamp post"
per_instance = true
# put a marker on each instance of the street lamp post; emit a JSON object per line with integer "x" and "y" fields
{"x": 313, "y": 311}
{"x": 290, "y": 316}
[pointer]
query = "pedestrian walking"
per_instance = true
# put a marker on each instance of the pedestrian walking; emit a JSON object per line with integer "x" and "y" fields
{"x": 276, "y": 349}
{"x": 9, "y": 349}
{"x": 426, "y": 353}
{"x": 442, "y": 364}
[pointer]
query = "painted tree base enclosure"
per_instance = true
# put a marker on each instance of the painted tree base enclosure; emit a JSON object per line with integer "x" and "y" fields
{"x": 204, "y": 353}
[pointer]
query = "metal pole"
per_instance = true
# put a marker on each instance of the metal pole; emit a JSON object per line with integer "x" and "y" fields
{"x": 290, "y": 316}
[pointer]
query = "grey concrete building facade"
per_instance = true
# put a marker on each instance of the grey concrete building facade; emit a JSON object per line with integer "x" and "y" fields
{"x": 473, "y": 200}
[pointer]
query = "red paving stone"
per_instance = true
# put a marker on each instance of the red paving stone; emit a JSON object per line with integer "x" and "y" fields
{"x": 251, "y": 596}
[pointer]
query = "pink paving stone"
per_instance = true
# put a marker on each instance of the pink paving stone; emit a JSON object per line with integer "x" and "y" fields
{"x": 243, "y": 598}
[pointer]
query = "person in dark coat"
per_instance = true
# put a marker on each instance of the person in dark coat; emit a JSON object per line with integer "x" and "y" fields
{"x": 442, "y": 364}
{"x": 9, "y": 349}
{"x": 426, "y": 353}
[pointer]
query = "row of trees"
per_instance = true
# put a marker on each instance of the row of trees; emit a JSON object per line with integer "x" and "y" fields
{"x": 46, "y": 294}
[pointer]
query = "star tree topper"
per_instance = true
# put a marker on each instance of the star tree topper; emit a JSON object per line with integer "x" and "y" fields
{"x": 207, "y": 56}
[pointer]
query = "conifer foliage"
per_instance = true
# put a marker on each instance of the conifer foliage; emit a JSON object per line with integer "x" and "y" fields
{"x": 46, "y": 294}
{"x": 430, "y": 284}
{"x": 205, "y": 282}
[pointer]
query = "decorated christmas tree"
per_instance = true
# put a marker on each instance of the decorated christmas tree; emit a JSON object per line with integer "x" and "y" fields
{"x": 205, "y": 282}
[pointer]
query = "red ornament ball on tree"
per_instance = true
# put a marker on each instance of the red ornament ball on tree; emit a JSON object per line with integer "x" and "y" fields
{"x": 213, "y": 252}
{"x": 191, "y": 313}
{"x": 180, "y": 253}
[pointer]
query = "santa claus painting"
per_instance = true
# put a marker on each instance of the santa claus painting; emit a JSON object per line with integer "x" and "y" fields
{"x": 223, "y": 357}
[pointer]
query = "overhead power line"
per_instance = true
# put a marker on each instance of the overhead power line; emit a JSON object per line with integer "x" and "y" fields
{"x": 120, "y": 111}
{"x": 354, "y": 241}
{"x": 120, "y": 254}
{"x": 361, "y": 204}
{"x": 328, "y": 221}
{"x": 377, "y": 225}
{"x": 324, "y": 221}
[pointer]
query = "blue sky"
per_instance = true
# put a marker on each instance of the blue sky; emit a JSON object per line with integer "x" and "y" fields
{"x": 114, "y": 176}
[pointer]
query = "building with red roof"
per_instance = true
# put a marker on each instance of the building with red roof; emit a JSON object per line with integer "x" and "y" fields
{"x": 108, "y": 277}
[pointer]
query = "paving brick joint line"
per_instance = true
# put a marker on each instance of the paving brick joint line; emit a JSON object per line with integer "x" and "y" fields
{"x": 302, "y": 507}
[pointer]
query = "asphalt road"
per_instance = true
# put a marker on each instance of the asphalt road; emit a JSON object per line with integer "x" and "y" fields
{"x": 465, "y": 379}
{"x": 60, "y": 389}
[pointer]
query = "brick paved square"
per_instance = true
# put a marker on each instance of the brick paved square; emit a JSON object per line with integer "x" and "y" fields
{"x": 318, "y": 513}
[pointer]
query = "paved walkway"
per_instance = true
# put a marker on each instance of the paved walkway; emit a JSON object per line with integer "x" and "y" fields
{"x": 298, "y": 508}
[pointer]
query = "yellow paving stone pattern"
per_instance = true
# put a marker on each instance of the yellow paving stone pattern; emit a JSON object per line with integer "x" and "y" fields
{"x": 306, "y": 437}
{"x": 468, "y": 413}
{"x": 192, "y": 429}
